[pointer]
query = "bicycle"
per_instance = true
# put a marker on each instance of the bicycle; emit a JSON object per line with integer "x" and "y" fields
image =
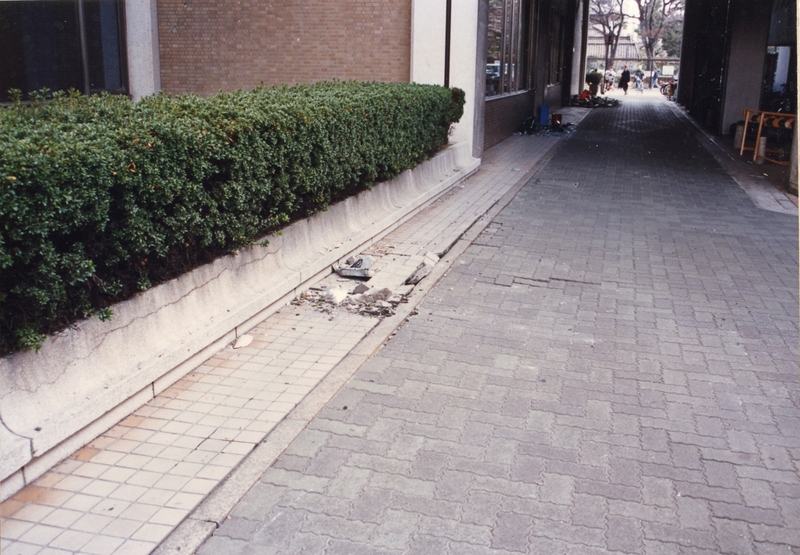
{"x": 668, "y": 90}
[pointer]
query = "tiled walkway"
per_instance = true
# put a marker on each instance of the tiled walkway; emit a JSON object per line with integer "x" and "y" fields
{"x": 610, "y": 367}
{"x": 127, "y": 490}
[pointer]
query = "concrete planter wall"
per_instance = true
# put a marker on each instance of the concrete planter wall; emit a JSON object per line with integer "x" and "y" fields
{"x": 87, "y": 378}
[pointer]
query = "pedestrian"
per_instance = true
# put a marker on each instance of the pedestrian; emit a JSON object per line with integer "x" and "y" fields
{"x": 654, "y": 80}
{"x": 638, "y": 79}
{"x": 624, "y": 79}
{"x": 609, "y": 78}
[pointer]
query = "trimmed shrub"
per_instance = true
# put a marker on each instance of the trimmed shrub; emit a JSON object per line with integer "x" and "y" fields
{"x": 101, "y": 197}
{"x": 594, "y": 77}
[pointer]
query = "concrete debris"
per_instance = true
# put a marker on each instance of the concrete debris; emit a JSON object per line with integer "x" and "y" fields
{"x": 403, "y": 290}
{"x": 375, "y": 296}
{"x": 423, "y": 269}
{"x": 334, "y": 295}
{"x": 360, "y": 288}
{"x": 242, "y": 341}
{"x": 360, "y": 267}
{"x": 555, "y": 130}
{"x": 358, "y": 297}
{"x": 380, "y": 303}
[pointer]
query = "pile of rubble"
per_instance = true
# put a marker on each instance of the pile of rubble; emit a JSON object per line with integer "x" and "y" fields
{"x": 594, "y": 101}
{"x": 328, "y": 298}
{"x": 348, "y": 288}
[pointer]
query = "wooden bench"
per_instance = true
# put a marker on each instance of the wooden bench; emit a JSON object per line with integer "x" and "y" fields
{"x": 763, "y": 121}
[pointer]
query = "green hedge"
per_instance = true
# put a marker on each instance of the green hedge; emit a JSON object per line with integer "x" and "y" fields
{"x": 101, "y": 197}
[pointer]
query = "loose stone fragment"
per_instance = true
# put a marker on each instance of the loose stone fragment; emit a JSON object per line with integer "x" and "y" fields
{"x": 360, "y": 288}
{"x": 423, "y": 269}
{"x": 379, "y": 295}
{"x": 356, "y": 267}
{"x": 242, "y": 341}
{"x": 334, "y": 295}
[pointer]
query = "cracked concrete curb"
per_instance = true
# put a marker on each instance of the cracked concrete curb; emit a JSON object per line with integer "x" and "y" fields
{"x": 93, "y": 374}
{"x": 190, "y": 534}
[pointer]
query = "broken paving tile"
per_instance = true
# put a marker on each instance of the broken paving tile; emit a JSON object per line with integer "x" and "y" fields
{"x": 423, "y": 269}
{"x": 242, "y": 341}
{"x": 379, "y": 295}
{"x": 360, "y": 288}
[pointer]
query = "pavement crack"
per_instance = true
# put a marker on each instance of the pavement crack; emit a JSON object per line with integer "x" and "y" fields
{"x": 531, "y": 282}
{"x": 577, "y": 281}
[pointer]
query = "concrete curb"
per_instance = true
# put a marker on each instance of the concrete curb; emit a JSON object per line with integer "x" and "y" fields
{"x": 87, "y": 378}
{"x": 209, "y": 515}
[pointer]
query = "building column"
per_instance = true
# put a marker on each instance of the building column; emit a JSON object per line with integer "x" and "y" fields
{"x": 428, "y": 33}
{"x": 578, "y": 58}
{"x": 791, "y": 180}
{"x": 749, "y": 31}
{"x": 479, "y": 120}
{"x": 141, "y": 31}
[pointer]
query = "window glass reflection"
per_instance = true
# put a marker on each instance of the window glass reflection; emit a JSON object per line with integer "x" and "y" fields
{"x": 61, "y": 45}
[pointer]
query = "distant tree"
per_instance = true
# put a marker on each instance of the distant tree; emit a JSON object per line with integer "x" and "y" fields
{"x": 654, "y": 17}
{"x": 672, "y": 37}
{"x": 608, "y": 18}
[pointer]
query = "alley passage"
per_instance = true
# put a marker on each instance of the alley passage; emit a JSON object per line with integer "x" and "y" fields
{"x": 611, "y": 367}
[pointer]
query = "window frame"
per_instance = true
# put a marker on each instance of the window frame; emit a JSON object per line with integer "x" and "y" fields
{"x": 509, "y": 71}
{"x": 122, "y": 46}
{"x": 85, "y": 62}
{"x": 556, "y": 55}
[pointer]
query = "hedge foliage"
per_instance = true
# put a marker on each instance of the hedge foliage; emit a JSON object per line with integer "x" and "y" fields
{"x": 102, "y": 197}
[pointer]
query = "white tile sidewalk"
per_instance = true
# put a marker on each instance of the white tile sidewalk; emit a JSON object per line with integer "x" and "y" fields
{"x": 128, "y": 489}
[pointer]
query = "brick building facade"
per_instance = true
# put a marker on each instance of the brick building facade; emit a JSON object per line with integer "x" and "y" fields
{"x": 510, "y": 56}
{"x": 206, "y": 45}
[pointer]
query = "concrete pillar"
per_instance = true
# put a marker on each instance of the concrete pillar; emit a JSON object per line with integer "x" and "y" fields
{"x": 791, "y": 182}
{"x": 686, "y": 71}
{"x": 749, "y": 31}
{"x": 463, "y": 72}
{"x": 428, "y": 41}
{"x": 479, "y": 112}
{"x": 576, "y": 83}
{"x": 428, "y": 31}
{"x": 141, "y": 30}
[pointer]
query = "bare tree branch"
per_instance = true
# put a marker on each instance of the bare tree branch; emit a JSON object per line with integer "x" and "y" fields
{"x": 608, "y": 17}
{"x": 654, "y": 16}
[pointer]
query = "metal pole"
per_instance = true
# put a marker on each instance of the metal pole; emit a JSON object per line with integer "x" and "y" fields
{"x": 447, "y": 31}
{"x": 84, "y": 47}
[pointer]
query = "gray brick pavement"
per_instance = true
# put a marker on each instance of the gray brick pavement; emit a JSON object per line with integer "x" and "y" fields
{"x": 611, "y": 367}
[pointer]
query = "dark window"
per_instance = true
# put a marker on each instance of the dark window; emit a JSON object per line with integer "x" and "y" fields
{"x": 507, "y": 47}
{"x": 556, "y": 47}
{"x": 103, "y": 45}
{"x": 60, "y": 45}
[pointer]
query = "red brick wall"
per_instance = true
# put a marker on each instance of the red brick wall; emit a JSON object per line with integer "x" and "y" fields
{"x": 212, "y": 45}
{"x": 504, "y": 115}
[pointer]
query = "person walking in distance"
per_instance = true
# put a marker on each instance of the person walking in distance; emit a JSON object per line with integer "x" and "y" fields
{"x": 639, "y": 79}
{"x": 609, "y": 78}
{"x": 624, "y": 79}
